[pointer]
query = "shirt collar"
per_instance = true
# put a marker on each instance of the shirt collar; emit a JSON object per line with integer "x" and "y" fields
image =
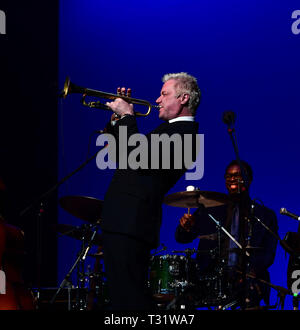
{"x": 183, "y": 118}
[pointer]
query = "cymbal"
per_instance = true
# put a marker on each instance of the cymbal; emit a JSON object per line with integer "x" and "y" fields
{"x": 193, "y": 199}
{"x": 192, "y": 251}
{"x": 78, "y": 233}
{"x": 96, "y": 255}
{"x": 291, "y": 239}
{"x": 247, "y": 248}
{"x": 82, "y": 207}
{"x": 210, "y": 237}
{"x": 187, "y": 251}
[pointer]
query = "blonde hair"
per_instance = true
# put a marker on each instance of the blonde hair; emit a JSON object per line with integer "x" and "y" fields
{"x": 186, "y": 84}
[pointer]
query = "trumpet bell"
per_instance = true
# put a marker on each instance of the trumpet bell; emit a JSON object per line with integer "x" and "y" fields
{"x": 70, "y": 88}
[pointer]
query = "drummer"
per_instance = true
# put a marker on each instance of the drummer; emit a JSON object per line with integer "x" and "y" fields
{"x": 233, "y": 217}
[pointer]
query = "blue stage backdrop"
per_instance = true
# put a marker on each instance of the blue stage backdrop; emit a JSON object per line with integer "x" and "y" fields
{"x": 245, "y": 55}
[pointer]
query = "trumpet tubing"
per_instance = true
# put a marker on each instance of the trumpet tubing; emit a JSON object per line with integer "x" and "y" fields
{"x": 71, "y": 88}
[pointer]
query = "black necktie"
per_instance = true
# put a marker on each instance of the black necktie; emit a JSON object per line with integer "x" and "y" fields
{"x": 232, "y": 258}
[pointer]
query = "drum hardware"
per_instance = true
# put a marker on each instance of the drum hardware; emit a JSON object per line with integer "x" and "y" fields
{"x": 87, "y": 242}
{"x": 219, "y": 226}
{"x": 79, "y": 232}
{"x": 211, "y": 289}
{"x": 65, "y": 301}
{"x": 281, "y": 291}
{"x": 40, "y": 201}
{"x": 87, "y": 209}
{"x": 220, "y": 286}
{"x": 163, "y": 248}
{"x": 89, "y": 284}
{"x": 246, "y": 250}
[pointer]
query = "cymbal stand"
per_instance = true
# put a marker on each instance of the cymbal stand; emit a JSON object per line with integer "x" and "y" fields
{"x": 219, "y": 226}
{"x": 80, "y": 299}
{"x": 78, "y": 262}
{"x": 219, "y": 267}
{"x": 246, "y": 264}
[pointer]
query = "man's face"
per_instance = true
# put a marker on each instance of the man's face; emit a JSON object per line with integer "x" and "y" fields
{"x": 169, "y": 101}
{"x": 233, "y": 180}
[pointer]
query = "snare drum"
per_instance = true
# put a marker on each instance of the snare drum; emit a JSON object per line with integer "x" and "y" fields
{"x": 167, "y": 274}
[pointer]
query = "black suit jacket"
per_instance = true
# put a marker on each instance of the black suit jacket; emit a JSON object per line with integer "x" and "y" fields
{"x": 132, "y": 203}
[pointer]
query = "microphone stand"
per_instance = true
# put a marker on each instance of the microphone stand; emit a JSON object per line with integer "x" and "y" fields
{"x": 229, "y": 120}
{"x": 284, "y": 245}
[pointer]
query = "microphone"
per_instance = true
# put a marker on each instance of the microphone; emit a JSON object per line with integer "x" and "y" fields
{"x": 229, "y": 117}
{"x": 292, "y": 215}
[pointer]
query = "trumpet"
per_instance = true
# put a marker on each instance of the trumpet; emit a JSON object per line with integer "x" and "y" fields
{"x": 70, "y": 88}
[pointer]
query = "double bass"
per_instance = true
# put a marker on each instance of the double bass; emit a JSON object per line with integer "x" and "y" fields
{"x": 14, "y": 295}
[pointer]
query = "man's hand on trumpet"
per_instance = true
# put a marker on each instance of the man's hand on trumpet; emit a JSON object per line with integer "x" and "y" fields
{"x": 119, "y": 106}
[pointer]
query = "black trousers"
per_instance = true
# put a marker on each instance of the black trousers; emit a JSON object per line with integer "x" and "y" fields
{"x": 126, "y": 264}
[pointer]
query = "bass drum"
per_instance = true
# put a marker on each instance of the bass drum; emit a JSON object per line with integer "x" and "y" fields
{"x": 168, "y": 276}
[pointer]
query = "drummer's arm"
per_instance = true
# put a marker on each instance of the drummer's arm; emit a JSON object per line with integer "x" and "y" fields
{"x": 187, "y": 230}
{"x": 191, "y": 226}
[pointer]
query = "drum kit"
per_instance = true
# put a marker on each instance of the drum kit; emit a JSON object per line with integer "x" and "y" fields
{"x": 175, "y": 279}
